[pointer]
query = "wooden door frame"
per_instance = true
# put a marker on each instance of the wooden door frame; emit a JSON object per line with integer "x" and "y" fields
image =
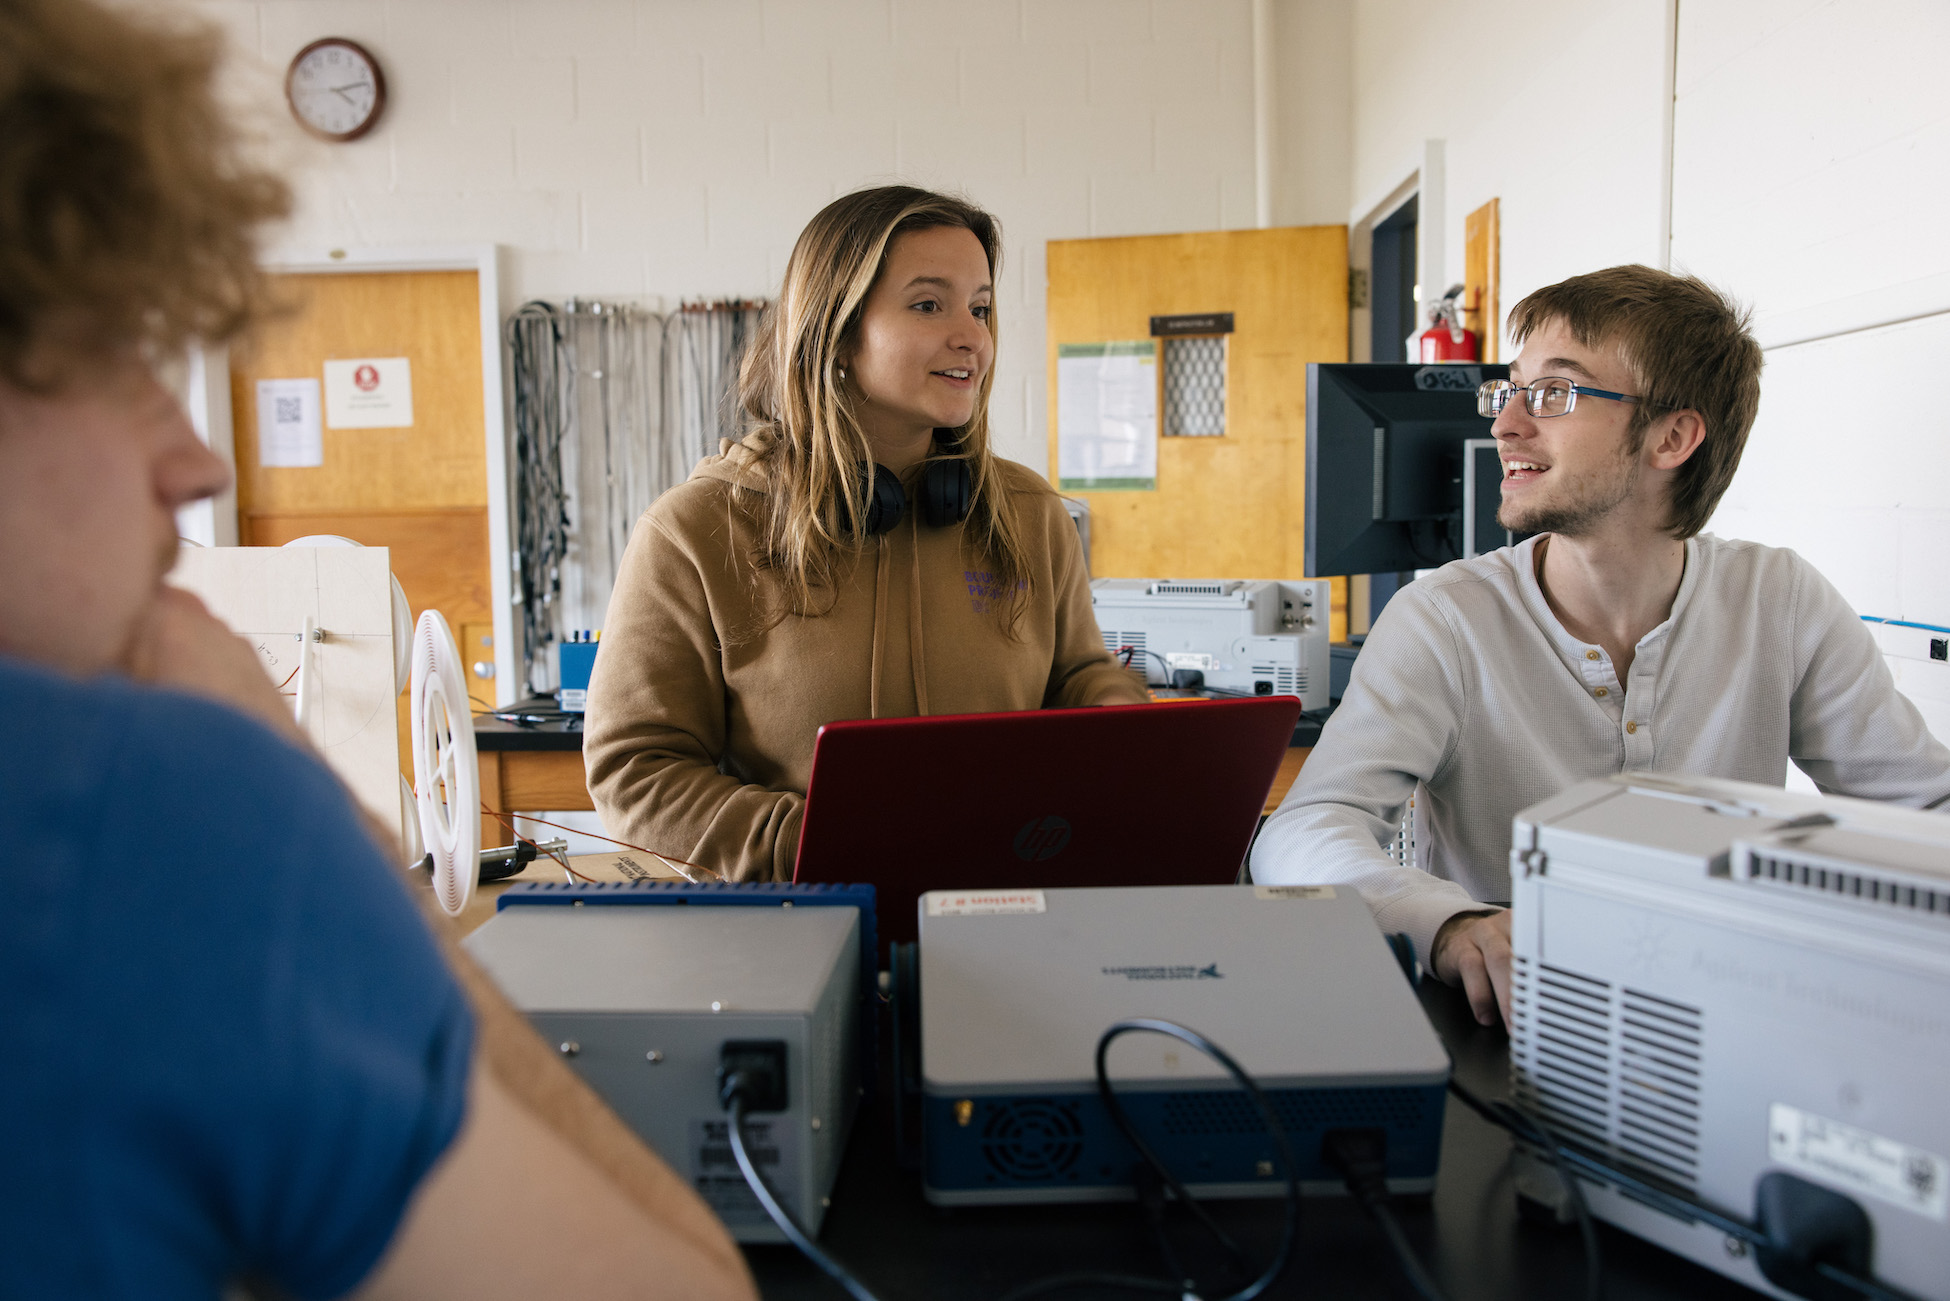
{"x": 1422, "y": 177}
{"x": 485, "y": 261}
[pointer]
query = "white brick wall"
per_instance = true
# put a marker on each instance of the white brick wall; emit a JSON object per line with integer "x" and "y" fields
{"x": 674, "y": 148}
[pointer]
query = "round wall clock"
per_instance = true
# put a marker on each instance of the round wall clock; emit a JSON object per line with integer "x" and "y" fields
{"x": 335, "y": 89}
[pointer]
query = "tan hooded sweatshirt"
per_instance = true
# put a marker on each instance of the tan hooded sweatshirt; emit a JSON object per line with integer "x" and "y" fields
{"x": 699, "y": 735}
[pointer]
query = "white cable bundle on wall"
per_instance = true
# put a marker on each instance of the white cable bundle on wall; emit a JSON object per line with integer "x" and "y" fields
{"x": 613, "y": 405}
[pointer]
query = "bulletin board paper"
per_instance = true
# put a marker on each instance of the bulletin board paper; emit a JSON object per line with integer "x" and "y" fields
{"x": 369, "y": 393}
{"x": 1107, "y": 416}
{"x": 288, "y": 433}
{"x": 265, "y": 594}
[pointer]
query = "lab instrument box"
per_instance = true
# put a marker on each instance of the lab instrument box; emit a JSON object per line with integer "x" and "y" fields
{"x": 1716, "y": 982}
{"x": 1295, "y": 982}
{"x": 1258, "y": 637}
{"x": 640, "y": 1000}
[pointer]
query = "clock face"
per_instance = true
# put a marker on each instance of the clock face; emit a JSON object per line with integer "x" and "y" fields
{"x": 335, "y": 89}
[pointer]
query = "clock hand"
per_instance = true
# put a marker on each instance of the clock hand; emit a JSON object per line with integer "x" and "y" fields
{"x": 357, "y": 85}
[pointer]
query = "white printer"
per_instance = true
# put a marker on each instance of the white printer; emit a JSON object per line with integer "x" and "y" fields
{"x": 1257, "y": 636}
{"x": 1715, "y": 982}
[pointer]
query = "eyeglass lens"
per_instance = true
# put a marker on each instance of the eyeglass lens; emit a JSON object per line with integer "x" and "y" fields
{"x": 1546, "y": 397}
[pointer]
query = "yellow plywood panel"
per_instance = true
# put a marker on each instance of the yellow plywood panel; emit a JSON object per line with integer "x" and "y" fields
{"x": 433, "y": 319}
{"x": 1234, "y": 505}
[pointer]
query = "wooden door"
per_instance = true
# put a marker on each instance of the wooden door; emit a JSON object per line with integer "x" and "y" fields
{"x": 421, "y": 490}
{"x": 1231, "y": 506}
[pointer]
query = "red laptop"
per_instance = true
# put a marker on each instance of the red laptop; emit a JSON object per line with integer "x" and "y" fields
{"x": 1160, "y": 794}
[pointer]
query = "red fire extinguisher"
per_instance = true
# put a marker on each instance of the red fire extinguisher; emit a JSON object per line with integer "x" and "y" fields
{"x": 1446, "y": 340}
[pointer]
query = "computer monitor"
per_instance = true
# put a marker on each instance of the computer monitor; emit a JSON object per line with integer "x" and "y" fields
{"x": 1402, "y": 473}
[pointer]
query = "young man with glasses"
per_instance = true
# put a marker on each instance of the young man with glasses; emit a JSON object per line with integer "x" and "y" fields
{"x": 1619, "y": 638}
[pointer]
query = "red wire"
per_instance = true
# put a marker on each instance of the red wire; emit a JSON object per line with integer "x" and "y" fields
{"x": 502, "y": 818}
{"x": 529, "y": 817}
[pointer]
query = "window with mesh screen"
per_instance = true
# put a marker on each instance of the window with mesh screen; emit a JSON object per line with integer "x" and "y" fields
{"x": 1195, "y": 386}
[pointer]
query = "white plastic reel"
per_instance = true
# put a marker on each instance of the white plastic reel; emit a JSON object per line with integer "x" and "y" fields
{"x": 445, "y": 777}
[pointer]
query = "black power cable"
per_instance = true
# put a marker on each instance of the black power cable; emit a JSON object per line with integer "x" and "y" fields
{"x": 1360, "y": 1157}
{"x": 1291, "y": 1232}
{"x": 1509, "y": 1116}
{"x": 738, "y": 1092}
{"x": 1571, "y": 1156}
{"x": 734, "y": 1093}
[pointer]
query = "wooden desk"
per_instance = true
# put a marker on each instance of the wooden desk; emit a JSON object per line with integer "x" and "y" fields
{"x": 533, "y": 769}
{"x": 539, "y": 768}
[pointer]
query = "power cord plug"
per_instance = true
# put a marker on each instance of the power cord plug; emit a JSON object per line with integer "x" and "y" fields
{"x": 1360, "y": 1158}
{"x": 755, "y": 1070}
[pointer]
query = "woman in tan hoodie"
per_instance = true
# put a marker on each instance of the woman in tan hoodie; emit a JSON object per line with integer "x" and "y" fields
{"x": 861, "y": 553}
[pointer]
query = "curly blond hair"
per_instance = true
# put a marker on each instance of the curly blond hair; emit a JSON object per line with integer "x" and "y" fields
{"x": 129, "y": 209}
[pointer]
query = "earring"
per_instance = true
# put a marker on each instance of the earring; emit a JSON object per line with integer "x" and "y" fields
{"x": 842, "y": 374}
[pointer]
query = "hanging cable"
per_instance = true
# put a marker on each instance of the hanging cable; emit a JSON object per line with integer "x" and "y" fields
{"x": 539, "y": 367}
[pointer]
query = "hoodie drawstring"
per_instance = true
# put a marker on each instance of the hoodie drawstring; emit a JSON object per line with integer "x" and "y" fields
{"x": 914, "y": 647}
{"x": 883, "y": 565}
{"x": 880, "y": 567}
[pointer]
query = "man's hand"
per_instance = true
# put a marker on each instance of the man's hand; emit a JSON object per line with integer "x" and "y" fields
{"x": 1473, "y": 950}
{"x": 180, "y": 644}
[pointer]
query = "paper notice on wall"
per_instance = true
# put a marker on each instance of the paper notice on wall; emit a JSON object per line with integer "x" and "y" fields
{"x": 288, "y": 433}
{"x": 369, "y": 393}
{"x": 1107, "y": 416}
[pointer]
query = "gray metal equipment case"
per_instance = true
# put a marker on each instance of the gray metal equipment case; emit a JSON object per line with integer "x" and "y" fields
{"x": 1715, "y": 980}
{"x": 640, "y": 1000}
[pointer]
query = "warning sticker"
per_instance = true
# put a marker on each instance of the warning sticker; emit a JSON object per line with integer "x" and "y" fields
{"x": 715, "y": 1173}
{"x": 983, "y": 903}
{"x": 1293, "y": 892}
{"x": 1853, "y": 1158}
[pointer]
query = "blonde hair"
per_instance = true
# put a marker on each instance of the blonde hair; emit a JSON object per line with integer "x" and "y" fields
{"x": 129, "y": 209}
{"x": 813, "y": 508}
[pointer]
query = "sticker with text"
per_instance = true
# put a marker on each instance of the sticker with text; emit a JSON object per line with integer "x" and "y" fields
{"x": 983, "y": 903}
{"x": 1838, "y": 1154}
{"x": 1293, "y": 892}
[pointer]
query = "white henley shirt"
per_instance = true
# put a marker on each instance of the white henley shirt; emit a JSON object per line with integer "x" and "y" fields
{"x": 1470, "y": 690}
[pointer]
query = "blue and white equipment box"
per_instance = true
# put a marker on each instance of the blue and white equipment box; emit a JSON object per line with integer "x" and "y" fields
{"x": 1295, "y": 982}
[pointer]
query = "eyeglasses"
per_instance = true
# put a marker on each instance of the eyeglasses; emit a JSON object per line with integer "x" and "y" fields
{"x": 1550, "y": 396}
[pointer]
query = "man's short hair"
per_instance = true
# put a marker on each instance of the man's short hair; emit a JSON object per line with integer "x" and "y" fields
{"x": 128, "y": 206}
{"x": 1687, "y": 345}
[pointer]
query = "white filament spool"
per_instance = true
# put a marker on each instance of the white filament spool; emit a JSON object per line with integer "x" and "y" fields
{"x": 445, "y": 778}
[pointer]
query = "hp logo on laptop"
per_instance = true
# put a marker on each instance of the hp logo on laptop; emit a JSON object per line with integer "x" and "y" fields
{"x": 1042, "y": 838}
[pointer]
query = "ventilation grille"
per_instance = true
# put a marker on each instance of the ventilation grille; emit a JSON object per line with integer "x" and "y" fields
{"x": 1171, "y": 587}
{"x": 1300, "y": 1110}
{"x": 1611, "y": 1067}
{"x": 1286, "y": 682}
{"x": 1195, "y": 386}
{"x": 1658, "y": 1085}
{"x": 1569, "y": 1051}
{"x": 1848, "y": 881}
{"x": 1033, "y": 1140}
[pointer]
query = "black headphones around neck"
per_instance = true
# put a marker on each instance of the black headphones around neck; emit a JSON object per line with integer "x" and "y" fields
{"x": 947, "y": 490}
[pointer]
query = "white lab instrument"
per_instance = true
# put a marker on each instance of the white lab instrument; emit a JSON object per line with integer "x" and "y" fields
{"x": 1715, "y": 982}
{"x": 1252, "y": 636}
